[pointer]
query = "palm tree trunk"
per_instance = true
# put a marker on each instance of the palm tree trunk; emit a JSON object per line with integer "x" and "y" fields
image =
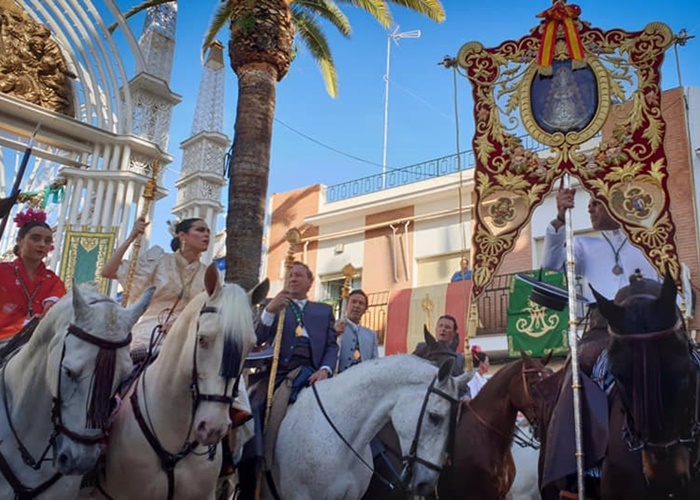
{"x": 250, "y": 167}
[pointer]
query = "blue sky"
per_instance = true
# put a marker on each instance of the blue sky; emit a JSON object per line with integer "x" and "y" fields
{"x": 421, "y": 120}
{"x": 421, "y": 106}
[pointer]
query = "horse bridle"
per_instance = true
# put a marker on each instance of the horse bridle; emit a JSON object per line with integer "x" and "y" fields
{"x": 56, "y": 418}
{"x": 522, "y": 442}
{"x": 167, "y": 459}
{"x": 634, "y": 443}
{"x": 412, "y": 458}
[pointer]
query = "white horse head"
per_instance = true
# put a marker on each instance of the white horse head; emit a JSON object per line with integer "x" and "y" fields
{"x": 86, "y": 362}
{"x": 424, "y": 427}
{"x": 214, "y": 334}
{"x": 183, "y": 399}
{"x": 312, "y": 461}
{"x": 57, "y": 389}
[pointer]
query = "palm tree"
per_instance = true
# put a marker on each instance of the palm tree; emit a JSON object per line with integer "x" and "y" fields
{"x": 261, "y": 50}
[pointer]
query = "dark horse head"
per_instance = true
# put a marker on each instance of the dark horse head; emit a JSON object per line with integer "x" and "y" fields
{"x": 650, "y": 358}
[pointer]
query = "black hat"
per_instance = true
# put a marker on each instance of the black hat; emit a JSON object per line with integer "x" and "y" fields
{"x": 547, "y": 294}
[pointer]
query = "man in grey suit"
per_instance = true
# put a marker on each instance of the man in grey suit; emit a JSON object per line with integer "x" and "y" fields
{"x": 357, "y": 343}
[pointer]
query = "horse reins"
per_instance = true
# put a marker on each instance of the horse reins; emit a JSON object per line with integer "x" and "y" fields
{"x": 522, "y": 442}
{"x": 168, "y": 460}
{"x": 409, "y": 460}
{"x": 20, "y": 490}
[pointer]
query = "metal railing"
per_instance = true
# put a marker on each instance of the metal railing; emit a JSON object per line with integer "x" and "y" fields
{"x": 430, "y": 169}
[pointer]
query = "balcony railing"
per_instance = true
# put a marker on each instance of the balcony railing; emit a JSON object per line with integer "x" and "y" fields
{"x": 430, "y": 169}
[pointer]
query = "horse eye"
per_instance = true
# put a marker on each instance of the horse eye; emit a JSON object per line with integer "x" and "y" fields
{"x": 435, "y": 418}
{"x": 70, "y": 374}
{"x": 203, "y": 343}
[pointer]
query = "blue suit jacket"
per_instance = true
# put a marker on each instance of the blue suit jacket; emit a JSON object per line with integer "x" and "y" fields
{"x": 319, "y": 323}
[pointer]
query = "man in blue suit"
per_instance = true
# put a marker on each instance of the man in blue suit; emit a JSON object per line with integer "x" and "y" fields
{"x": 309, "y": 339}
{"x": 309, "y": 344}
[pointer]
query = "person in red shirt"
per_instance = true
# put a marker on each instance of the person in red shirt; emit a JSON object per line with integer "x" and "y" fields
{"x": 27, "y": 287}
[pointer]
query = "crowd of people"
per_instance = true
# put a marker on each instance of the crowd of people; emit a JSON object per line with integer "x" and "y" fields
{"x": 314, "y": 346}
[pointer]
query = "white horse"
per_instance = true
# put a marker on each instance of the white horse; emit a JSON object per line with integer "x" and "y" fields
{"x": 312, "y": 461}
{"x": 165, "y": 439}
{"x": 56, "y": 394}
{"x": 525, "y": 486}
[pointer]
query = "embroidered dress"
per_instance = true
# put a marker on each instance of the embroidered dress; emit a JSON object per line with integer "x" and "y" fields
{"x": 173, "y": 277}
{"x": 22, "y": 298}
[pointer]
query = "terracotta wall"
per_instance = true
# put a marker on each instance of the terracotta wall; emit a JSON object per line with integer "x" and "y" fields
{"x": 378, "y": 260}
{"x": 289, "y": 210}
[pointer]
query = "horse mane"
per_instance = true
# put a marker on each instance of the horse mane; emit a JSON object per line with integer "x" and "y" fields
{"x": 236, "y": 316}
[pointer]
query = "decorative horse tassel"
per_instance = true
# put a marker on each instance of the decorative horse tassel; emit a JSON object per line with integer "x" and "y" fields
{"x": 230, "y": 358}
{"x": 101, "y": 397}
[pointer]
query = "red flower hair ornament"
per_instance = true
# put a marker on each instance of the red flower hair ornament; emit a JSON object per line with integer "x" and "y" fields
{"x": 30, "y": 215}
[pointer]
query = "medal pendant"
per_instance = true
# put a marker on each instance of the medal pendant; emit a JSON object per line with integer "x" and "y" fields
{"x": 617, "y": 270}
{"x": 299, "y": 332}
{"x": 356, "y": 355}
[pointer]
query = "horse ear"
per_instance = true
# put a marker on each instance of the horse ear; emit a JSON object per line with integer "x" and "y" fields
{"x": 429, "y": 339}
{"x": 445, "y": 369}
{"x": 524, "y": 356}
{"x": 610, "y": 311}
{"x": 547, "y": 357}
{"x": 80, "y": 305}
{"x": 140, "y": 307}
{"x": 668, "y": 290}
{"x": 260, "y": 291}
{"x": 212, "y": 284}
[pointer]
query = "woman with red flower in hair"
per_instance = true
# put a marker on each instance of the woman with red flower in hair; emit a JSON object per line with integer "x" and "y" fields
{"x": 481, "y": 366}
{"x": 27, "y": 288}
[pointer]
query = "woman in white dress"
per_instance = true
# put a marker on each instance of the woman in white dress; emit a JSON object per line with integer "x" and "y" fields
{"x": 177, "y": 276}
{"x": 481, "y": 365}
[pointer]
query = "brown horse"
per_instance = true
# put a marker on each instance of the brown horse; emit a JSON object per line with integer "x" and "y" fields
{"x": 656, "y": 378}
{"x": 652, "y": 446}
{"x": 482, "y": 465}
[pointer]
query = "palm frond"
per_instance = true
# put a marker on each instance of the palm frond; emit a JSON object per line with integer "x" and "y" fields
{"x": 432, "y": 9}
{"x": 378, "y": 9}
{"x": 139, "y": 8}
{"x": 222, "y": 16}
{"x": 328, "y": 10}
{"x": 311, "y": 36}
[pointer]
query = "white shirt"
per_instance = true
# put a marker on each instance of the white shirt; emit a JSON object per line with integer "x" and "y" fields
{"x": 594, "y": 258}
{"x": 476, "y": 383}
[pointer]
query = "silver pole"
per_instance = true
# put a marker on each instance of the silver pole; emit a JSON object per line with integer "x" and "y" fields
{"x": 386, "y": 109}
{"x": 395, "y": 36}
{"x": 573, "y": 347}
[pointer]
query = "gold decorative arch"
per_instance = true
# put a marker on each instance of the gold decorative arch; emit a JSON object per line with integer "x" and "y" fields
{"x": 627, "y": 170}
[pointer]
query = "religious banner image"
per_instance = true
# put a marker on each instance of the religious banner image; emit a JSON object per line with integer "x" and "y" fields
{"x": 83, "y": 257}
{"x": 532, "y": 328}
{"x": 569, "y": 99}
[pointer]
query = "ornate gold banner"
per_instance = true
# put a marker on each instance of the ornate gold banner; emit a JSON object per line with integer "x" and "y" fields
{"x": 83, "y": 256}
{"x": 618, "y": 86}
